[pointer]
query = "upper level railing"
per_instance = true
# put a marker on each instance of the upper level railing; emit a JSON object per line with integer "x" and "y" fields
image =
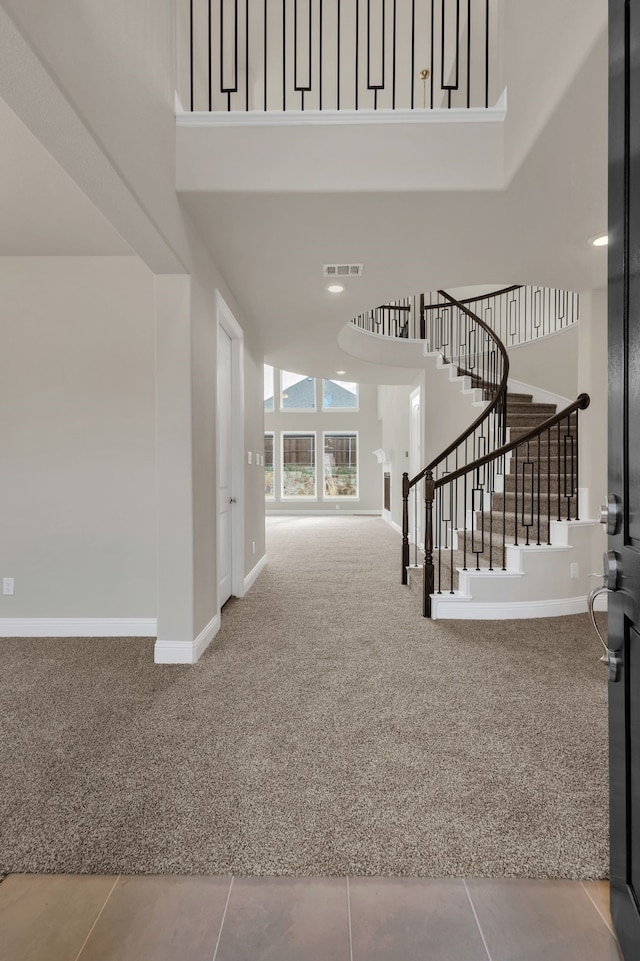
{"x": 279, "y": 55}
{"x": 517, "y": 314}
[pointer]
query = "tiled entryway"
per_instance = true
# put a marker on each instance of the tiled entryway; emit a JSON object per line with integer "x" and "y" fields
{"x": 94, "y": 918}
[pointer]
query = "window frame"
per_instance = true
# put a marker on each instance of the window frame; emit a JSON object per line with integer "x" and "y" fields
{"x": 272, "y": 434}
{"x": 298, "y": 410}
{"x": 350, "y": 498}
{"x": 299, "y": 497}
{"x": 340, "y": 410}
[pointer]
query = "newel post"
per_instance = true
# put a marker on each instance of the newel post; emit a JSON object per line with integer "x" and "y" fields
{"x": 428, "y": 577}
{"x": 405, "y": 526}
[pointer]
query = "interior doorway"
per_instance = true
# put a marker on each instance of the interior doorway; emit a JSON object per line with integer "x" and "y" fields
{"x": 229, "y": 455}
{"x": 415, "y": 465}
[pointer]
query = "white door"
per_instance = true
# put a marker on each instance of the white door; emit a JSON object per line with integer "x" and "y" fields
{"x": 225, "y": 472}
{"x": 415, "y": 465}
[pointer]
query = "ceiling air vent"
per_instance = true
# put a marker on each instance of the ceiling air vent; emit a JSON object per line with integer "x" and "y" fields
{"x": 342, "y": 270}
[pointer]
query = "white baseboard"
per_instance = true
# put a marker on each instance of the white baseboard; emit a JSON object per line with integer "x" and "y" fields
{"x": 78, "y": 627}
{"x": 395, "y": 526}
{"x": 465, "y": 609}
{"x": 186, "y": 652}
{"x": 250, "y": 579}
{"x": 288, "y": 512}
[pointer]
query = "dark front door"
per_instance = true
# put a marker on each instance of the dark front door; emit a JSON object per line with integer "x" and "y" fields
{"x": 624, "y": 468}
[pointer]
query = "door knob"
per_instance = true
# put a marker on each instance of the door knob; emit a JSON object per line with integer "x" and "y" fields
{"x": 611, "y": 513}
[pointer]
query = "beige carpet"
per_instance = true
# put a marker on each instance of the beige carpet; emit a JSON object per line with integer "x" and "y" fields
{"x": 328, "y": 730}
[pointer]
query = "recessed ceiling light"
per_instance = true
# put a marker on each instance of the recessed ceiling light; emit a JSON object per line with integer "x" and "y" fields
{"x": 601, "y": 240}
{"x": 335, "y": 288}
{"x": 341, "y": 372}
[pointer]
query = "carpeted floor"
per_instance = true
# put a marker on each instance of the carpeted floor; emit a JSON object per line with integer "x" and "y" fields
{"x": 328, "y": 730}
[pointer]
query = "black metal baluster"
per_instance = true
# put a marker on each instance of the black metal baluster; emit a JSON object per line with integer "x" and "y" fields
{"x": 516, "y": 497}
{"x": 191, "y": 53}
{"x": 320, "y": 57}
{"x": 246, "y": 56}
{"x": 357, "y": 46}
{"x": 446, "y": 86}
{"x": 451, "y": 504}
{"x": 338, "y": 58}
{"x": 486, "y": 56}
{"x": 413, "y": 52}
{"x": 393, "y": 62}
{"x": 577, "y": 475}
{"x": 468, "y": 53}
{"x": 265, "y": 53}
{"x": 549, "y": 485}
{"x": 504, "y": 513}
{"x": 538, "y": 541}
{"x": 559, "y": 484}
{"x": 433, "y": 27}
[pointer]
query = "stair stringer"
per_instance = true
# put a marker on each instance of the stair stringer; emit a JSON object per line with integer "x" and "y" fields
{"x": 538, "y": 581}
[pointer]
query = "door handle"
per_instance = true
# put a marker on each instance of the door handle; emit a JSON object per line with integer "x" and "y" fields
{"x": 233, "y": 500}
{"x": 610, "y": 576}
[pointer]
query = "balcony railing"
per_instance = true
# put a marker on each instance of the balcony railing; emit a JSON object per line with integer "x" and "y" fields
{"x": 326, "y": 55}
{"x": 517, "y": 314}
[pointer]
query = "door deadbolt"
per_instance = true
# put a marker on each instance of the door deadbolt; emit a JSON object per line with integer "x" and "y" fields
{"x": 611, "y": 513}
{"x": 610, "y": 570}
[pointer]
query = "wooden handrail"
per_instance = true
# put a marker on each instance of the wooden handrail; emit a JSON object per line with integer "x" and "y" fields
{"x": 472, "y": 300}
{"x": 580, "y": 403}
{"x": 500, "y": 393}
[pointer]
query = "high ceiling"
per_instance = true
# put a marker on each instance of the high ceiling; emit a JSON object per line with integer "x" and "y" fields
{"x": 271, "y": 246}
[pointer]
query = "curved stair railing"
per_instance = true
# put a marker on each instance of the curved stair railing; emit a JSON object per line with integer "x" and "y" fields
{"x": 540, "y": 486}
{"x": 518, "y": 314}
{"x": 477, "y": 352}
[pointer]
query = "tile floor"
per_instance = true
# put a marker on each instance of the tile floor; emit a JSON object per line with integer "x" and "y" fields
{"x": 93, "y": 918}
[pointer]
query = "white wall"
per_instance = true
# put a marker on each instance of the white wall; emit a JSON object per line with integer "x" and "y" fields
{"x": 364, "y": 421}
{"x": 550, "y": 363}
{"x": 78, "y": 511}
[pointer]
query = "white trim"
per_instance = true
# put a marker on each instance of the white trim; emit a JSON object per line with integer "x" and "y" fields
{"x": 251, "y": 577}
{"x": 458, "y": 607}
{"x": 297, "y": 118}
{"x": 376, "y": 512}
{"x": 232, "y": 328}
{"x": 78, "y": 627}
{"x": 186, "y": 652}
{"x": 393, "y": 524}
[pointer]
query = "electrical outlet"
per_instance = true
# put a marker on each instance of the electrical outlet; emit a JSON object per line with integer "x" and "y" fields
{"x": 575, "y": 570}
{"x": 249, "y": 457}
{"x": 7, "y": 585}
{"x": 253, "y": 546}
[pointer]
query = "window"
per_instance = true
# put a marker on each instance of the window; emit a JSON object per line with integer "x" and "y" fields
{"x": 341, "y": 465}
{"x": 297, "y": 392}
{"x": 269, "y": 403}
{"x": 339, "y": 395}
{"x": 299, "y": 465}
{"x": 269, "y": 476}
